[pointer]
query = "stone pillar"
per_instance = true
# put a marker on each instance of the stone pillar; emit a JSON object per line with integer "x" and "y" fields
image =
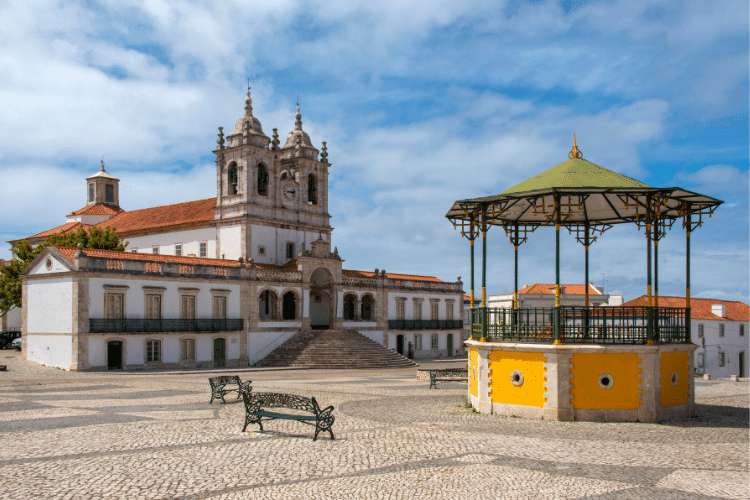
{"x": 558, "y": 405}
{"x": 483, "y": 381}
{"x": 358, "y": 309}
{"x": 650, "y": 385}
{"x": 80, "y": 302}
{"x": 24, "y": 318}
{"x": 246, "y": 313}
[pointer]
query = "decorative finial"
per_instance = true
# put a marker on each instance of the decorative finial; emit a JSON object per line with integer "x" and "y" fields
{"x": 298, "y": 147}
{"x": 324, "y": 153}
{"x": 220, "y": 140}
{"x": 248, "y": 101}
{"x": 246, "y": 127}
{"x": 275, "y": 142}
{"x": 575, "y": 152}
{"x": 102, "y": 163}
{"x": 298, "y": 121}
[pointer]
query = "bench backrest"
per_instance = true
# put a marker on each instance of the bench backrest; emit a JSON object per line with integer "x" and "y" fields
{"x": 449, "y": 371}
{"x": 224, "y": 380}
{"x": 277, "y": 400}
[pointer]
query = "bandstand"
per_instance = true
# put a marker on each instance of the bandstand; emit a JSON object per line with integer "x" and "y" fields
{"x": 582, "y": 363}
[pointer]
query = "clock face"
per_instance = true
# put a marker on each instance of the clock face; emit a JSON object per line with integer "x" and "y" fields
{"x": 290, "y": 191}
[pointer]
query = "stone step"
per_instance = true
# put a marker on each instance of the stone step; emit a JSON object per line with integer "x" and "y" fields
{"x": 334, "y": 349}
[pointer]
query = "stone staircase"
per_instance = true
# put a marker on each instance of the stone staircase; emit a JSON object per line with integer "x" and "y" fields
{"x": 333, "y": 349}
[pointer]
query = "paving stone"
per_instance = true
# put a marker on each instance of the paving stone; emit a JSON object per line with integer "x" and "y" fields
{"x": 125, "y": 435}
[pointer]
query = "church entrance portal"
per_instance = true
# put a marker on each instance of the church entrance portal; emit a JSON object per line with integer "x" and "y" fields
{"x": 320, "y": 299}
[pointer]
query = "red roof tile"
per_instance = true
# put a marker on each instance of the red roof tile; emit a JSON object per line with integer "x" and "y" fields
{"x": 700, "y": 308}
{"x": 412, "y": 277}
{"x": 98, "y": 209}
{"x": 549, "y": 289}
{"x": 68, "y": 227}
{"x": 191, "y": 213}
{"x": 69, "y": 253}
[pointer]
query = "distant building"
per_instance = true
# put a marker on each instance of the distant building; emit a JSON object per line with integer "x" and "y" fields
{"x": 543, "y": 295}
{"x": 719, "y": 328}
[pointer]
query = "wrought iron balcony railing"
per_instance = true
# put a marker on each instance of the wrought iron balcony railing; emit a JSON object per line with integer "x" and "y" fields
{"x": 597, "y": 325}
{"x": 417, "y": 324}
{"x": 164, "y": 325}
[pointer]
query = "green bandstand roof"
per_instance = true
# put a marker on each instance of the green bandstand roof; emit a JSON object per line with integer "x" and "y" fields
{"x": 587, "y": 194}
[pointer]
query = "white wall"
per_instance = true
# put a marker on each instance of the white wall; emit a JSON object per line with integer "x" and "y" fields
{"x": 50, "y": 305}
{"x": 55, "y": 267}
{"x": 265, "y": 342}
{"x": 12, "y": 319}
{"x": 231, "y": 242}
{"x": 190, "y": 239}
{"x": 135, "y": 301}
{"x": 50, "y": 350}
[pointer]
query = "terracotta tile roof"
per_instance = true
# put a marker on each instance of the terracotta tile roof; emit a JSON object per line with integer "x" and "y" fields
{"x": 549, "y": 289}
{"x": 290, "y": 266}
{"x": 68, "y": 253}
{"x": 413, "y": 277}
{"x": 191, "y": 213}
{"x": 700, "y": 308}
{"x": 68, "y": 227}
{"x": 98, "y": 209}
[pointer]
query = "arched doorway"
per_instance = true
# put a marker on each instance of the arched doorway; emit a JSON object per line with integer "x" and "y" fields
{"x": 320, "y": 299}
{"x": 289, "y": 306}
{"x": 114, "y": 355}
{"x": 350, "y": 302}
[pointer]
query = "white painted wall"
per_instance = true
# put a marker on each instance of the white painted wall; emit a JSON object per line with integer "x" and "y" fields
{"x": 50, "y": 305}
{"x": 135, "y": 297}
{"x": 12, "y": 319}
{"x": 97, "y": 350}
{"x": 262, "y": 343}
{"x": 376, "y": 335}
{"x": 190, "y": 239}
{"x": 55, "y": 267}
{"x": 231, "y": 242}
{"x": 731, "y": 344}
{"x": 265, "y": 236}
{"x": 50, "y": 350}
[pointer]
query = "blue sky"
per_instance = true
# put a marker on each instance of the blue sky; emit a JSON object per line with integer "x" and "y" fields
{"x": 421, "y": 103}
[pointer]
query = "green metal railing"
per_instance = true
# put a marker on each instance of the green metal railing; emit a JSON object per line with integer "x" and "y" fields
{"x": 412, "y": 324}
{"x": 596, "y": 325}
{"x": 163, "y": 325}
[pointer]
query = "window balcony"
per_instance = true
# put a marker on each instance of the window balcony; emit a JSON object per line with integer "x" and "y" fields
{"x": 164, "y": 325}
{"x": 420, "y": 324}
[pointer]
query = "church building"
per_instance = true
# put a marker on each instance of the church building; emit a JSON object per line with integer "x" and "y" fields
{"x": 224, "y": 281}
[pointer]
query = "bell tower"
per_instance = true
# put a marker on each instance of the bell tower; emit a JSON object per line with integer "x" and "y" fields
{"x": 103, "y": 189}
{"x": 272, "y": 202}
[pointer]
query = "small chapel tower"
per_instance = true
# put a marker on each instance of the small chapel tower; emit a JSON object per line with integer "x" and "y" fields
{"x": 103, "y": 189}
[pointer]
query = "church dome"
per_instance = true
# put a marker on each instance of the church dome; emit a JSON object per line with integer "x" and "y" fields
{"x": 306, "y": 148}
{"x": 255, "y": 135}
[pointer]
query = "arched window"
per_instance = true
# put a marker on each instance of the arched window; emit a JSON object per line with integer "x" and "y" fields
{"x": 367, "y": 302}
{"x": 262, "y": 180}
{"x": 267, "y": 305}
{"x": 349, "y": 301}
{"x": 232, "y": 179}
{"x": 312, "y": 190}
{"x": 289, "y": 306}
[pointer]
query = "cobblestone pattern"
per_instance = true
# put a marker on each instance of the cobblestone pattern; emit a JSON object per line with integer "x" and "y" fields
{"x": 134, "y": 435}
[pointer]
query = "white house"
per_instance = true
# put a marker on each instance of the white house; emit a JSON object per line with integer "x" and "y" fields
{"x": 719, "y": 328}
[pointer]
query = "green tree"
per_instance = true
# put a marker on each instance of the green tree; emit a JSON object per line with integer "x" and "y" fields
{"x": 10, "y": 273}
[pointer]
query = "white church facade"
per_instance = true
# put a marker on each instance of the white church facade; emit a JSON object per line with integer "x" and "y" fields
{"x": 226, "y": 280}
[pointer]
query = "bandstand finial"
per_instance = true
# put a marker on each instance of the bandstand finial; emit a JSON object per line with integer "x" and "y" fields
{"x": 575, "y": 152}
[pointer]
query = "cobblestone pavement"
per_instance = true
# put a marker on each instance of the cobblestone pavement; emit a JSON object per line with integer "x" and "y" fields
{"x": 136, "y": 435}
